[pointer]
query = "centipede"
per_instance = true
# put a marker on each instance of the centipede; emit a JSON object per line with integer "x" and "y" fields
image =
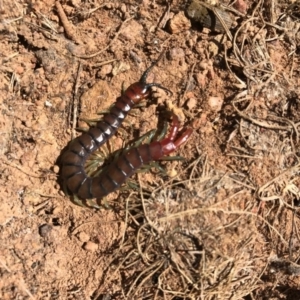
{"x": 78, "y": 183}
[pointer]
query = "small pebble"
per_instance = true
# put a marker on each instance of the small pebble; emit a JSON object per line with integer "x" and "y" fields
{"x": 59, "y": 103}
{"x": 201, "y": 79}
{"x": 48, "y": 103}
{"x": 44, "y": 230}
{"x": 176, "y": 53}
{"x": 191, "y": 103}
{"x": 241, "y": 6}
{"x": 215, "y": 103}
{"x": 56, "y": 210}
{"x": 19, "y": 70}
{"x": 56, "y": 169}
{"x": 172, "y": 172}
{"x": 179, "y": 23}
{"x": 90, "y": 246}
{"x": 203, "y": 65}
{"x": 123, "y": 8}
{"x": 83, "y": 237}
{"x": 105, "y": 70}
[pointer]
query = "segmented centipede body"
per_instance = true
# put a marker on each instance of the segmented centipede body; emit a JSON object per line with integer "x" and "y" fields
{"x": 74, "y": 176}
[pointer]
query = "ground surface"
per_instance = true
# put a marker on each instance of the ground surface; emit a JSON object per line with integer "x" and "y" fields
{"x": 225, "y": 225}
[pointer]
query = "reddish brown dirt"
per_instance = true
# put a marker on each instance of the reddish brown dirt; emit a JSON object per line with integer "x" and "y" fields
{"x": 241, "y": 162}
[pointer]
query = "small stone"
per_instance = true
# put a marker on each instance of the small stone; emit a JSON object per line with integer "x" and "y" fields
{"x": 132, "y": 31}
{"x": 172, "y": 172}
{"x": 203, "y": 65}
{"x": 83, "y": 237}
{"x": 48, "y": 103}
{"x": 76, "y": 3}
{"x": 176, "y": 53}
{"x": 179, "y": 23}
{"x": 191, "y": 103}
{"x": 56, "y": 210}
{"x": 90, "y": 246}
{"x": 120, "y": 67}
{"x": 44, "y": 230}
{"x": 56, "y": 169}
{"x": 58, "y": 103}
{"x": 241, "y": 6}
{"x": 105, "y": 70}
{"x": 199, "y": 13}
{"x": 19, "y": 70}
{"x": 215, "y": 103}
{"x": 123, "y": 8}
{"x": 201, "y": 79}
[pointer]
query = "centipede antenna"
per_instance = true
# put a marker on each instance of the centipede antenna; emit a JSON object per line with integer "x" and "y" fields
{"x": 145, "y": 74}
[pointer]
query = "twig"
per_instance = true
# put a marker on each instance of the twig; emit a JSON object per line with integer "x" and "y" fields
{"x": 242, "y": 83}
{"x": 65, "y": 22}
{"x": 187, "y": 85}
{"x": 4, "y": 266}
{"x": 89, "y": 12}
{"x": 164, "y": 19}
{"x": 262, "y": 188}
{"x": 261, "y": 123}
{"x": 103, "y": 63}
{"x": 11, "y": 164}
{"x": 245, "y": 139}
{"x": 25, "y": 289}
{"x": 75, "y": 102}
{"x": 194, "y": 211}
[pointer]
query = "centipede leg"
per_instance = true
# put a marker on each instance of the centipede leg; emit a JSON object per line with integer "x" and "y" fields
{"x": 92, "y": 169}
{"x": 105, "y": 111}
{"x": 77, "y": 201}
{"x": 90, "y": 122}
{"x": 156, "y": 165}
{"x": 147, "y": 136}
{"x": 65, "y": 190}
{"x": 92, "y": 204}
{"x": 84, "y": 203}
{"x": 172, "y": 158}
{"x": 130, "y": 185}
{"x": 133, "y": 186}
{"x": 104, "y": 204}
{"x": 123, "y": 89}
{"x": 163, "y": 132}
{"x": 83, "y": 129}
{"x": 96, "y": 161}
